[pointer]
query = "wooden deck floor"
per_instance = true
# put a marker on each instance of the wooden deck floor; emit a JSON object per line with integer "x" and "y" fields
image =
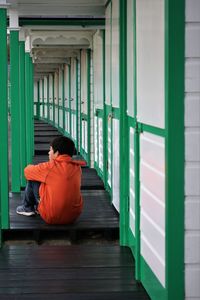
{"x": 83, "y": 272}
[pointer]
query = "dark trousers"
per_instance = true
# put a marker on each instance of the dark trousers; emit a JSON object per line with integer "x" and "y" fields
{"x": 31, "y": 195}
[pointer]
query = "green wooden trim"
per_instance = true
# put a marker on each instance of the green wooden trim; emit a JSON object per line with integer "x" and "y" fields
{"x": 62, "y": 21}
{"x": 70, "y": 126}
{"x": 43, "y": 98}
{"x": 22, "y": 111}
{"x": 48, "y": 98}
{"x": 123, "y": 131}
{"x": 63, "y": 99}
{"x": 105, "y": 129}
{"x": 99, "y": 113}
{"x": 131, "y": 241}
{"x": 32, "y": 105}
{"x": 88, "y": 115}
{"x": 28, "y": 108}
{"x": 53, "y": 96}
{"x": 116, "y": 113}
{"x": 77, "y": 110}
{"x": 15, "y": 120}
{"x": 174, "y": 110}
{"x": 151, "y": 283}
{"x": 4, "y": 215}
{"x": 80, "y": 108}
{"x": 151, "y": 129}
{"x": 135, "y": 58}
{"x": 131, "y": 121}
{"x": 137, "y": 202}
{"x": 38, "y": 97}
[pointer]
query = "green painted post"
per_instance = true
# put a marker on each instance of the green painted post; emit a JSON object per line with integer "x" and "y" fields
{"x": 15, "y": 120}
{"x": 48, "y": 98}
{"x": 32, "y": 106}
{"x": 88, "y": 106}
{"x": 174, "y": 110}
{"x": 104, "y": 118}
{"x": 53, "y": 95}
{"x": 28, "y": 108}
{"x": 43, "y": 98}
{"x": 124, "y": 199}
{"x": 69, "y": 99}
{"x": 22, "y": 110}
{"x": 63, "y": 98}
{"x": 77, "y": 102}
{"x": 38, "y": 100}
{"x": 3, "y": 121}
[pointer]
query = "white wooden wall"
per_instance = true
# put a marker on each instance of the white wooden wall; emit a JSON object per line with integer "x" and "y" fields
{"x": 192, "y": 150}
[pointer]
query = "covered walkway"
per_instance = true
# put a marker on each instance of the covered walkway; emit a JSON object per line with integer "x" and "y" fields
{"x": 34, "y": 266}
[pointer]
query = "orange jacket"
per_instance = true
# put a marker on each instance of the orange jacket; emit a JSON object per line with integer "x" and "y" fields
{"x": 60, "y": 197}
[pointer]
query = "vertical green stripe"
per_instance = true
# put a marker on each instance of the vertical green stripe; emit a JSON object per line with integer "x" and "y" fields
{"x": 28, "y": 108}
{"x": 53, "y": 96}
{"x": 137, "y": 155}
{"x": 88, "y": 106}
{"x": 38, "y": 99}
{"x": 174, "y": 110}
{"x": 77, "y": 104}
{"x": 70, "y": 133}
{"x": 42, "y": 98}
{"x": 48, "y": 107}
{"x": 63, "y": 98}
{"x": 14, "y": 93}
{"x": 123, "y": 126}
{"x": 104, "y": 116}
{"x": 32, "y": 107}
{"x": 3, "y": 122}
{"x": 22, "y": 110}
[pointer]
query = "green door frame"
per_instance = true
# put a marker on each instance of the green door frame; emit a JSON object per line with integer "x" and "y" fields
{"x": 4, "y": 218}
{"x": 22, "y": 111}
{"x": 174, "y": 140}
{"x": 15, "y": 119}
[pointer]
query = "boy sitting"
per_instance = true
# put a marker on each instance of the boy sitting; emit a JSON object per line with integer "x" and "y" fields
{"x": 53, "y": 187}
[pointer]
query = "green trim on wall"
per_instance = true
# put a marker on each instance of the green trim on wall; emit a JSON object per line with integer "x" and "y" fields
{"x": 123, "y": 131}
{"x": 104, "y": 117}
{"x": 28, "y": 108}
{"x": 4, "y": 214}
{"x": 174, "y": 110}
{"x": 42, "y": 98}
{"x": 77, "y": 110}
{"x": 53, "y": 95}
{"x": 22, "y": 111}
{"x": 63, "y": 99}
{"x": 38, "y": 99}
{"x": 15, "y": 120}
{"x": 88, "y": 106}
{"x": 32, "y": 105}
{"x": 137, "y": 202}
{"x": 151, "y": 129}
{"x": 151, "y": 283}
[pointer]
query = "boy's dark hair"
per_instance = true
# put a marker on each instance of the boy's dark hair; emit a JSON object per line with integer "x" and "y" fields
{"x": 63, "y": 145}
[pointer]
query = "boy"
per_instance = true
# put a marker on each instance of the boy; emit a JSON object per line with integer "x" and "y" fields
{"x": 53, "y": 187}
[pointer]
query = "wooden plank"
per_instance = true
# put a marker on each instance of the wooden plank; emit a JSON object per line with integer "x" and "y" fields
{"x": 71, "y": 272}
{"x": 97, "y": 214}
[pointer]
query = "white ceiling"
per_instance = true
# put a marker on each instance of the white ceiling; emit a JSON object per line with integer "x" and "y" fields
{"x": 59, "y": 8}
{"x": 57, "y": 43}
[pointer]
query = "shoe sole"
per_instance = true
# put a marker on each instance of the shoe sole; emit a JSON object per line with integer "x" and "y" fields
{"x": 27, "y": 214}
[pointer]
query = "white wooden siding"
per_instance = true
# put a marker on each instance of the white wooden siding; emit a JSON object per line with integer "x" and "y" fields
{"x": 192, "y": 150}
